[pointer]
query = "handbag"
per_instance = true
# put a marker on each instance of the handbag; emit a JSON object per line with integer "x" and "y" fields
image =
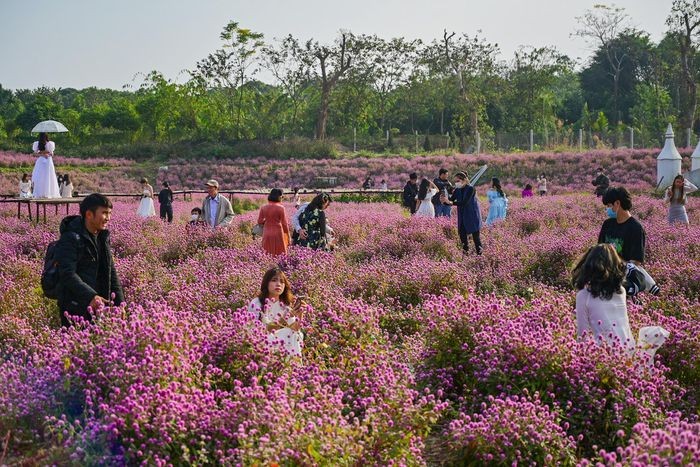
{"x": 257, "y": 230}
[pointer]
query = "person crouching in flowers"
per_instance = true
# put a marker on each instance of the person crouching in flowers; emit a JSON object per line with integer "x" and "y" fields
{"x": 279, "y": 311}
{"x": 601, "y": 306}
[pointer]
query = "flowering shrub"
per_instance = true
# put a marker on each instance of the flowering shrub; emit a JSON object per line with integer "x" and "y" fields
{"x": 414, "y": 353}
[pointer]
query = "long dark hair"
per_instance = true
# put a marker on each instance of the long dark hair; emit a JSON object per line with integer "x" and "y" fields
{"x": 316, "y": 203}
{"x": 600, "y": 270}
{"x": 680, "y": 191}
{"x": 66, "y": 179}
{"x": 286, "y": 297}
{"x": 423, "y": 189}
{"x": 496, "y": 183}
{"x": 43, "y": 139}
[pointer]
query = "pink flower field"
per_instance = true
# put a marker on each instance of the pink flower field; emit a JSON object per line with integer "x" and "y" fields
{"x": 414, "y": 354}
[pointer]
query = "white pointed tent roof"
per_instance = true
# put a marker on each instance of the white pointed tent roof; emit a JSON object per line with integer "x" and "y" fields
{"x": 669, "y": 150}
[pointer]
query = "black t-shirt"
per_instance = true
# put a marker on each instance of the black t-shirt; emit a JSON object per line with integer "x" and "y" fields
{"x": 628, "y": 238}
{"x": 165, "y": 196}
{"x": 441, "y": 185}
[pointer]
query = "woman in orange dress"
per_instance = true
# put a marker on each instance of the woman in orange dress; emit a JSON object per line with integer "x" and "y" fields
{"x": 273, "y": 218}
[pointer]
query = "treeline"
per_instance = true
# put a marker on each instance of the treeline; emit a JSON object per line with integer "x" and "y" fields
{"x": 377, "y": 91}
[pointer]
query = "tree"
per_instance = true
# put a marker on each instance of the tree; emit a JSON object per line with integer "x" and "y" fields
{"x": 684, "y": 23}
{"x": 227, "y": 66}
{"x": 291, "y": 67}
{"x": 331, "y": 62}
{"x": 472, "y": 61}
{"x": 601, "y": 26}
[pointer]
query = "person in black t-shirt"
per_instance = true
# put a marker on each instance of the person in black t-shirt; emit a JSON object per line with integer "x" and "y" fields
{"x": 622, "y": 230}
{"x": 165, "y": 198}
{"x": 445, "y": 188}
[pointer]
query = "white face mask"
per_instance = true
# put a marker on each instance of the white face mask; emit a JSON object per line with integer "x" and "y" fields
{"x": 459, "y": 184}
{"x": 194, "y": 217}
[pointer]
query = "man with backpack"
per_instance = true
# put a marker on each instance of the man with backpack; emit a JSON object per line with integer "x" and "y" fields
{"x": 79, "y": 269}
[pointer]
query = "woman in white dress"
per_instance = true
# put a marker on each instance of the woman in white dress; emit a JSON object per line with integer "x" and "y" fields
{"x": 44, "y": 174}
{"x": 601, "y": 301}
{"x": 426, "y": 191}
{"x": 25, "y": 187}
{"x": 676, "y": 196}
{"x": 146, "y": 207}
{"x": 279, "y": 311}
{"x": 66, "y": 187}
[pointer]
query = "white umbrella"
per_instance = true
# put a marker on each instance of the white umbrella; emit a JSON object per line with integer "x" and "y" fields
{"x": 49, "y": 126}
{"x": 478, "y": 175}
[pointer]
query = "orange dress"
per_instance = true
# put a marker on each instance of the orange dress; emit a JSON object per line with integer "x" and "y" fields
{"x": 275, "y": 238}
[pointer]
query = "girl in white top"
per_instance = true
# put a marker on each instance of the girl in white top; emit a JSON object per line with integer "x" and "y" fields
{"x": 44, "y": 174}
{"x": 66, "y": 187}
{"x": 25, "y": 187}
{"x": 542, "y": 185}
{"x": 279, "y": 311}
{"x": 146, "y": 207}
{"x": 426, "y": 191}
{"x": 601, "y": 303}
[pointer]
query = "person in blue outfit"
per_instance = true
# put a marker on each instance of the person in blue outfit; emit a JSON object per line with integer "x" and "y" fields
{"x": 498, "y": 202}
{"x": 468, "y": 212}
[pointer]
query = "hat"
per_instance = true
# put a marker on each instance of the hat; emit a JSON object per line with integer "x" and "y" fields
{"x": 213, "y": 183}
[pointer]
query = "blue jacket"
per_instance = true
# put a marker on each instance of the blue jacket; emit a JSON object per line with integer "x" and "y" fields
{"x": 468, "y": 212}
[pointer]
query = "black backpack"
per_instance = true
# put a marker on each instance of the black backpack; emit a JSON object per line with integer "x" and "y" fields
{"x": 49, "y": 275}
{"x": 50, "y": 281}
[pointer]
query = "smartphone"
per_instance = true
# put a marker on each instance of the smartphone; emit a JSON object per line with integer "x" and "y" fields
{"x": 299, "y": 299}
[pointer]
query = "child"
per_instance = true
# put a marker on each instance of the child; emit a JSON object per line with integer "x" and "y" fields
{"x": 527, "y": 192}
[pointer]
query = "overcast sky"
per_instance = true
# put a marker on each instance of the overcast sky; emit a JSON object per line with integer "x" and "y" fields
{"x": 81, "y": 43}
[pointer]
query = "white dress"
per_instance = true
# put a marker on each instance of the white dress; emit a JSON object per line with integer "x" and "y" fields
{"x": 426, "y": 208}
{"x": 146, "y": 208}
{"x": 67, "y": 191}
{"x": 44, "y": 174}
{"x": 287, "y": 338}
{"x": 25, "y": 189}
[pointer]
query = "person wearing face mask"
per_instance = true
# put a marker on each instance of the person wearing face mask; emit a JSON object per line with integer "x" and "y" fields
{"x": 468, "y": 212}
{"x": 195, "y": 217}
{"x": 621, "y": 229}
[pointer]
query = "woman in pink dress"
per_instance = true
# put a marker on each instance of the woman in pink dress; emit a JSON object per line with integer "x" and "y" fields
{"x": 273, "y": 218}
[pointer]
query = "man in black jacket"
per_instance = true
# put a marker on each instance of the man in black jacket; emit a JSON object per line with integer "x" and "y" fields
{"x": 410, "y": 191}
{"x": 165, "y": 198}
{"x": 444, "y": 187}
{"x": 87, "y": 276}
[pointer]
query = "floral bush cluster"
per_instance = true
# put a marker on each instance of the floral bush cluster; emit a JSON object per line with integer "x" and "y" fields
{"x": 415, "y": 354}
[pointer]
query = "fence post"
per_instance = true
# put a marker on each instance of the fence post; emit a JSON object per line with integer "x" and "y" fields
{"x": 689, "y": 134}
{"x": 532, "y": 140}
{"x": 387, "y": 136}
{"x": 631, "y": 138}
{"x": 478, "y": 142}
{"x": 447, "y": 138}
{"x": 354, "y": 139}
{"x": 416, "y": 140}
{"x": 580, "y": 139}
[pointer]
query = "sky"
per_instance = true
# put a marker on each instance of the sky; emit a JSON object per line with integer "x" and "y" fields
{"x": 110, "y": 44}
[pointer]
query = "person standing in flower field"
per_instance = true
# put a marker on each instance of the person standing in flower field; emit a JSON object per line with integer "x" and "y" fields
{"x": 87, "y": 276}
{"x": 468, "y": 212}
{"x": 527, "y": 191}
{"x": 216, "y": 209}
{"x": 542, "y": 184}
{"x": 279, "y": 311}
{"x": 273, "y": 218}
{"x": 621, "y": 229}
{"x": 498, "y": 202}
{"x": 601, "y": 182}
{"x": 676, "y": 195}
{"x": 313, "y": 223}
{"x": 165, "y": 199}
{"x": 426, "y": 191}
{"x": 410, "y": 191}
{"x": 442, "y": 183}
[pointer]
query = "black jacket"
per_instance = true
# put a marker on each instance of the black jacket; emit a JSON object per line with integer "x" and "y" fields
{"x": 85, "y": 267}
{"x": 601, "y": 182}
{"x": 410, "y": 191}
{"x": 165, "y": 196}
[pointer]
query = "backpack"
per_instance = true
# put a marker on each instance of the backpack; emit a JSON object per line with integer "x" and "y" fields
{"x": 49, "y": 275}
{"x": 50, "y": 281}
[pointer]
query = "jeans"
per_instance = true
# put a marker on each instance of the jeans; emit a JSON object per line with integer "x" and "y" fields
{"x": 444, "y": 210}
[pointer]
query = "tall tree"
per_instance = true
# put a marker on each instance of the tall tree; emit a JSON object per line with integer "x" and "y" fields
{"x": 600, "y": 27}
{"x": 471, "y": 60}
{"x": 227, "y": 66}
{"x": 331, "y": 62}
{"x": 684, "y": 24}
